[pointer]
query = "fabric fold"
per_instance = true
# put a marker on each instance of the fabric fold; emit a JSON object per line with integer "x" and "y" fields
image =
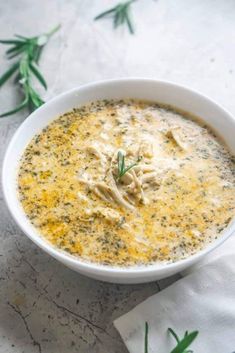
{"x": 203, "y": 300}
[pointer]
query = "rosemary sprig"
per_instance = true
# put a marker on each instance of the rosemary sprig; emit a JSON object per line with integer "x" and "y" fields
{"x": 120, "y": 15}
{"x": 28, "y": 51}
{"x": 122, "y": 169}
{"x": 182, "y": 344}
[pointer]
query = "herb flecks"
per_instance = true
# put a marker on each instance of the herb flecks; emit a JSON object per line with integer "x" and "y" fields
{"x": 120, "y": 15}
{"x": 28, "y": 51}
{"x": 122, "y": 168}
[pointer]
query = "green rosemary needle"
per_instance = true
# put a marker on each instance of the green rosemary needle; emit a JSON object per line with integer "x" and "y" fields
{"x": 146, "y": 338}
{"x": 120, "y": 15}
{"x": 28, "y": 51}
{"x": 122, "y": 168}
{"x": 184, "y": 343}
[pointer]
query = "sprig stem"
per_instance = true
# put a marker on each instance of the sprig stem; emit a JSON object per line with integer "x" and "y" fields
{"x": 54, "y": 30}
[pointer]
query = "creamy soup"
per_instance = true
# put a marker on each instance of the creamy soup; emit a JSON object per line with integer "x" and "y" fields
{"x": 127, "y": 183}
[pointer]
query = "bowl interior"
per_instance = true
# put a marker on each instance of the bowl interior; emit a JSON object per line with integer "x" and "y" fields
{"x": 216, "y": 117}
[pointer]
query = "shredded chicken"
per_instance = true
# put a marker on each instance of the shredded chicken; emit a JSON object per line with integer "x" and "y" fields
{"x": 103, "y": 191}
{"x": 101, "y": 150}
{"x": 118, "y": 197}
{"x": 108, "y": 213}
{"x": 149, "y": 177}
{"x": 108, "y": 193}
{"x": 95, "y": 151}
{"x": 146, "y": 149}
{"x": 130, "y": 188}
{"x": 82, "y": 197}
{"x": 145, "y": 168}
{"x": 126, "y": 178}
{"x": 175, "y": 134}
{"x": 138, "y": 187}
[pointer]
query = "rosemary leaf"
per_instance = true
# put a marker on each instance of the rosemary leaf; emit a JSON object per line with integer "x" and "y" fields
{"x": 16, "y": 48}
{"x": 11, "y": 41}
{"x": 38, "y": 75}
{"x": 183, "y": 344}
{"x": 28, "y": 50}
{"x": 121, "y": 162}
{"x": 20, "y": 37}
{"x": 174, "y": 334}
{"x": 15, "y": 53}
{"x": 146, "y": 337}
{"x": 35, "y": 99}
{"x": 120, "y": 15}
{"x": 104, "y": 14}
{"x": 17, "y": 109}
{"x": 129, "y": 24}
{"x": 8, "y": 73}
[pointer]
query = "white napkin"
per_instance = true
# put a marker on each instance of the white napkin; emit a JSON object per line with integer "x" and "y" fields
{"x": 204, "y": 300}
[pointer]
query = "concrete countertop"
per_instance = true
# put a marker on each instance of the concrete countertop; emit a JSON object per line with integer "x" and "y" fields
{"x": 45, "y": 307}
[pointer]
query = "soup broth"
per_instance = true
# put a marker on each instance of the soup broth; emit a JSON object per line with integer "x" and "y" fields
{"x": 127, "y": 183}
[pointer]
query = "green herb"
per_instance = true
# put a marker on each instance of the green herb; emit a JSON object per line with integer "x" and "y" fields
{"x": 120, "y": 15}
{"x": 28, "y": 51}
{"x": 122, "y": 169}
{"x": 146, "y": 338}
{"x": 182, "y": 344}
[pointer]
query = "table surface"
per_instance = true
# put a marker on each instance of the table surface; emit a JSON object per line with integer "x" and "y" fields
{"x": 45, "y": 307}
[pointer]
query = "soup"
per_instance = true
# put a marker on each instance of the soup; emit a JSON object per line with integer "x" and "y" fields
{"x": 127, "y": 183}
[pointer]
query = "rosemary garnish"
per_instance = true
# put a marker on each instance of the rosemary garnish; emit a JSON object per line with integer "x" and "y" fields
{"x": 122, "y": 169}
{"x": 120, "y": 14}
{"x": 185, "y": 342}
{"x": 182, "y": 344}
{"x": 28, "y": 49}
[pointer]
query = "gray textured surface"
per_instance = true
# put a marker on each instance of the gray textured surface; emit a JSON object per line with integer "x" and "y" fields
{"x": 45, "y": 307}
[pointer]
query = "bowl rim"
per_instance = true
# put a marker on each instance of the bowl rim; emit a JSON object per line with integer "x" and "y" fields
{"x": 92, "y": 267}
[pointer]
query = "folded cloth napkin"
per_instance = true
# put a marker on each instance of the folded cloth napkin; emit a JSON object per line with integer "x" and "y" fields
{"x": 203, "y": 300}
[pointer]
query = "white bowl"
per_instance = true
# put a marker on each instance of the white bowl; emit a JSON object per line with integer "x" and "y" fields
{"x": 165, "y": 92}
